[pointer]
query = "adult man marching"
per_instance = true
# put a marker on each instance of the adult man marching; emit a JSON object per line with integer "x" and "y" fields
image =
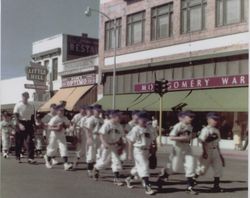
{"x": 80, "y": 133}
{"x": 24, "y": 115}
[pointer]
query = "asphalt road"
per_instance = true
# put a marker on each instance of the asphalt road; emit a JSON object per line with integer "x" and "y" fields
{"x": 35, "y": 181}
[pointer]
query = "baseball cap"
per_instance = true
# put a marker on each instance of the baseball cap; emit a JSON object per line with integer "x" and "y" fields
{"x": 115, "y": 112}
{"x": 83, "y": 107}
{"x": 213, "y": 115}
{"x": 188, "y": 113}
{"x": 135, "y": 112}
{"x": 53, "y": 106}
{"x": 59, "y": 108}
{"x": 25, "y": 94}
{"x": 89, "y": 107}
{"x": 143, "y": 115}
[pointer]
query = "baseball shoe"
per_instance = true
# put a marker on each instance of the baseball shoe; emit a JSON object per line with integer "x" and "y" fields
{"x": 67, "y": 166}
{"x": 118, "y": 182}
{"x": 54, "y": 161}
{"x": 47, "y": 162}
{"x": 217, "y": 189}
{"x": 19, "y": 160}
{"x": 95, "y": 174}
{"x": 149, "y": 190}
{"x": 192, "y": 191}
{"x": 90, "y": 173}
{"x": 128, "y": 181}
{"x": 5, "y": 155}
{"x": 195, "y": 181}
{"x": 31, "y": 161}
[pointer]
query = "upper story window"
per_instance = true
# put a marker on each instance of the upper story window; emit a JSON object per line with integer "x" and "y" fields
{"x": 193, "y": 15}
{"x": 231, "y": 11}
{"x": 110, "y": 34}
{"x": 54, "y": 69}
{"x": 46, "y": 63}
{"x": 162, "y": 21}
{"x": 135, "y": 28}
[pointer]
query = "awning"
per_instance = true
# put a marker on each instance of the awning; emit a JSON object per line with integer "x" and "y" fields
{"x": 225, "y": 100}
{"x": 70, "y": 95}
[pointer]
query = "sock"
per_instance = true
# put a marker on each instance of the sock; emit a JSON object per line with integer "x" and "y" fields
{"x": 90, "y": 166}
{"x": 196, "y": 176}
{"x": 49, "y": 158}
{"x": 189, "y": 181}
{"x": 131, "y": 176}
{"x": 216, "y": 182}
{"x": 146, "y": 181}
{"x": 116, "y": 175}
{"x": 65, "y": 159}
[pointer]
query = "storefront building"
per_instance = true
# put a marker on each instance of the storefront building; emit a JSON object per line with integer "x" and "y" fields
{"x": 200, "y": 47}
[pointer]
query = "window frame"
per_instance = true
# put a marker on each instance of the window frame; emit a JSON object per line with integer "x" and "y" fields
{"x": 187, "y": 8}
{"x": 155, "y": 17}
{"x": 54, "y": 77}
{"x": 131, "y": 22}
{"x": 224, "y": 14}
{"x": 108, "y": 31}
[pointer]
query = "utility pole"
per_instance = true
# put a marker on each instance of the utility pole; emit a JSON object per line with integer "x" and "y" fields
{"x": 161, "y": 87}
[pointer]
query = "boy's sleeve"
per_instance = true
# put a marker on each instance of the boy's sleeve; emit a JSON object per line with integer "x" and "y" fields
{"x": 203, "y": 135}
{"x": 104, "y": 129}
{"x": 51, "y": 122}
{"x": 174, "y": 131}
{"x": 132, "y": 135}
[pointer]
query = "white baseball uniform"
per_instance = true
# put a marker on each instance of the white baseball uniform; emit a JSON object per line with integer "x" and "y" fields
{"x": 57, "y": 139}
{"x": 141, "y": 138}
{"x": 5, "y": 127}
{"x": 182, "y": 152}
{"x": 45, "y": 121}
{"x": 80, "y": 134}
{"x": 93, "y": 124}
{"x": 112, "y": 134}
{"x": 211, "y": 137}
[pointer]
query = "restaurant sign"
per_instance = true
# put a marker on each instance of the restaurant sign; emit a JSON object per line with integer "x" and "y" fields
{"x": 198, "y": 83}
{"x": 87, "y": 79}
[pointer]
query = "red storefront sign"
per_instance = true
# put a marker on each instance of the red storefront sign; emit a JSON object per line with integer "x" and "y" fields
{"x": 198, "y": 83}
{"x": 73, "y": 81}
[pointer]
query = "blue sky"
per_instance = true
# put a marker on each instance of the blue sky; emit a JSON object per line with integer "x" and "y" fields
{"x": 26, "y": 21}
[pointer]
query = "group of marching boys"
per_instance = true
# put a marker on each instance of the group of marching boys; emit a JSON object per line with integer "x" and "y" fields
{"x": 105, "y": 139}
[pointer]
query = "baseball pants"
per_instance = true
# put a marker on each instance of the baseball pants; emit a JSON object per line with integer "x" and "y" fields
{"x": 92, "y": 149}
{"x": 5, "y": 142}
{"x": 81, "y": 143}
{"x": 212, "y": 160}
{"x": 57, "y": 140}
{"x": 183, "y": 156}
{"x": 141, "y": 163}
{"x": 109, "y": 155}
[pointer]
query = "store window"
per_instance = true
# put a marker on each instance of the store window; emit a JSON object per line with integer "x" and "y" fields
{"x": 135, "y": 28}
{"x": 110, "y": 34}
{"x": 193, "y": 15}
{"x": 231, "y": 11}
{"x": 162, "y": 21}
{"x": 54, "y": 69}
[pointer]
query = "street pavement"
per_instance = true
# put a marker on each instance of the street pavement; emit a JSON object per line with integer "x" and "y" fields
{"x": 35, "y": 181}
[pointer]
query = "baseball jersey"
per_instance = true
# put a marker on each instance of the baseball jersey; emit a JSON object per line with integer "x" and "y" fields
{"x": 5, "y": 126}
{"x": 181, "y": 129}
{"x": 59, "y": 120}
{"x": 141, "y": 137}
{"x": 210, "y": 136}
{"x": 77, "y": 119}
{"x": 112, "y": 132}
{"x": 93, "y": 123}
{"x": 25, "y": 111}
{"x": 132, "y": 124}
{"x": 47, "y": 118}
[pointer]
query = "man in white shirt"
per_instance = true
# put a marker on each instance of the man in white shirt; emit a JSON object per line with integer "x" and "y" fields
{"x": 24, "y": 113}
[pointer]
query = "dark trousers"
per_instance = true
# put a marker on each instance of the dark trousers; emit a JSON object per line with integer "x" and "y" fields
{"x": 27, "y": 137}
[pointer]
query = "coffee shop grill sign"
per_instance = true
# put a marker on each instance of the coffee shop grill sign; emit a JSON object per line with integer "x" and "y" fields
{"x": 73, "y": 81}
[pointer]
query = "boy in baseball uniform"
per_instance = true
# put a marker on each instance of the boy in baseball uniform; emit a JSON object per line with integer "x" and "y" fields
{"x": 140, "y": 139}
{"x": 46, "y": 133}
{"x": 181, "y": 134}
{"x": 80, "y": 134}
{"x": 211, "y": 156}
{"x": 111, "y": 134}
{"x": 91, "y": 126}
{"x": 134, "y": 120}
{"x": 57, "y": 138}
{"x": 6, "y": 126}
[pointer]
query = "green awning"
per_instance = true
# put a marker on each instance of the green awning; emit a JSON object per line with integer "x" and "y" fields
{"x": 225, "y": 100}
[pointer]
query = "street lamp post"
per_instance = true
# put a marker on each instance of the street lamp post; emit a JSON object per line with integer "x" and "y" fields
{"x": 88, "y": 13}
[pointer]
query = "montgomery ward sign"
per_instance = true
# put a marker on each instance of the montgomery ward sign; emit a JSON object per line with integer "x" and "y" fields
{"x": 198, "y": 83}
{"x": 88, "y": 79}
{"x": 36, "y": 72}
{"x": 38, "y": 87}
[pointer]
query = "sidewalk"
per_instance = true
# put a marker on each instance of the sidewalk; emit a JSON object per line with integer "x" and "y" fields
{"x": 228, "y": 154}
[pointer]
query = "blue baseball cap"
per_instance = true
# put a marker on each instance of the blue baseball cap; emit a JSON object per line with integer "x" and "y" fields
{"x": 213, "y": 115}
{"x": 143, "y": 115}
{"x": 188, "y": 113}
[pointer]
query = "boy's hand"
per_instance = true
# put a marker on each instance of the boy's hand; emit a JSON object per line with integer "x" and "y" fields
{"x": 204, "y": 155}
